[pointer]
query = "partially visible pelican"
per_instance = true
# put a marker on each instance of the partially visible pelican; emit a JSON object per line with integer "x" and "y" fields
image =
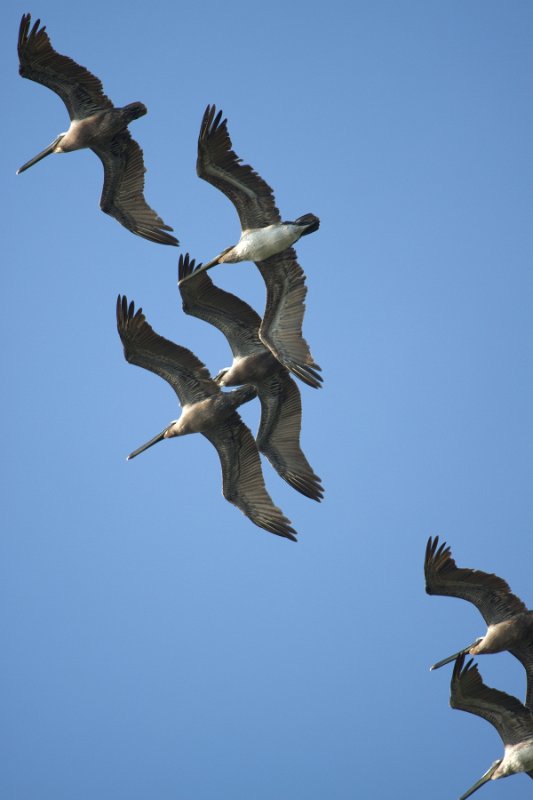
{"x": 266, "y": 240}
{"x": 512, "y": 720}
{"x": 281, "y": 405}
{"x": 207, "y": 410}
{"x": 97, "y": 124}
{"x": 510, "y": 624}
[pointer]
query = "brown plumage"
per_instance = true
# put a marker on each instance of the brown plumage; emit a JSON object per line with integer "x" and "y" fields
{"x": 510, "y": 624}
{"x": 278, "y": 437}
{"x": 266, "y": 240}
{"x": 95, "y": 124}
{"x": 205, "y": 409}
{"x": 512, "y": 720}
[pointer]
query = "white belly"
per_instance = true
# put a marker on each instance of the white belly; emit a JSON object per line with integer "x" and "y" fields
{"x": 258, "y": 244}
{"x": 518, "y": 758}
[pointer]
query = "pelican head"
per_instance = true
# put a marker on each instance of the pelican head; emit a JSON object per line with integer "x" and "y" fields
{"x": 489, "y": 775}
{"x": 470, "y": 649}
{"x": 167, "y": 433}
{"x": 52, "y": 148}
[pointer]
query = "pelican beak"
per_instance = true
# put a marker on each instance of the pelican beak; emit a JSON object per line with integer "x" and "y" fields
{"x": 464, "y": 651}
{"x": 486, "y": 777}
{"x": 200, "y": 268}
{"x": 143, "y": 447}
{"x": 46, "y": 152}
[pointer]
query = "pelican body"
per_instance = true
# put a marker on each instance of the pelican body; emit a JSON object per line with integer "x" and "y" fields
{"x": 207, "y": 410}
{"x": 266, "y": 240}
{"x": 278, "y": 437}
{"x": 510, "y": 624}
{"x": 202, "y": 416}
{"x": 512, "y": 720}
{"x": 253, "y": 369}
{"x": 258, "y": 244}
{"x": 96, "y": 124}
{"x": 98, "y": 128}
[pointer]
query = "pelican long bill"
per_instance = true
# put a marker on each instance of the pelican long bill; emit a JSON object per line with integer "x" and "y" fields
{"x": 455, "y": 656}
{"x": 46, "y": 152}
{"x": 201, "y": 268}
{"x": 143, "y": 447}
{"x": 484, "y": 779}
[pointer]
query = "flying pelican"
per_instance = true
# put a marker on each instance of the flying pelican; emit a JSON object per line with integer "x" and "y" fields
{"x": 266, "y": 240}
{"x": 205, "y": 409}
{"x": 97, "y": 124}
{"x": 510, "y": 624}
{"x": 512, "y": 720}
{"x": 281, "y": 405}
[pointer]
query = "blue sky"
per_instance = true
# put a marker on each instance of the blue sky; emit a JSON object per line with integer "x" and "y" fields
{"x": 156, "y": 643}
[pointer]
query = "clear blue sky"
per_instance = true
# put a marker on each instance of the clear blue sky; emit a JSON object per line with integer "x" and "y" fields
{"x": 155, "y": 643}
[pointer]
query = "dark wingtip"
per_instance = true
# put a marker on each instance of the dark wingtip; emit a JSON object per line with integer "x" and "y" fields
{"x": 308, "y": 374}
{"x": 186, "y": 267}
{"x": 126, "y": 314}
{"x": 438, "y": 556}
{"x": 460, "y": 669}
{"x": 160, "y": 236}
{"x": 211, "y": 121}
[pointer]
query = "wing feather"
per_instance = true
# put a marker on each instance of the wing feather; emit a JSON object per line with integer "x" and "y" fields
{"x": 242, "y": 477}
{"x": 281, "y": 328}
{"x": 523, "y": 651}
{"x": 81, "y": 91}
{"x": 278, "y": 437}
{"x": 187, "y": 375}
{"x": 490, "y": 594}
{"x": 220, "y": 166}
{"x": 232, "y": 316}
{"x": 512, "y": 720}
{"x": 122, "y": 195}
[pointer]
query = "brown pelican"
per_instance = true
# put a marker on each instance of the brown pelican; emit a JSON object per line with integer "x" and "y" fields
{"x": 266, "y": 240}
{"x": 205, "y": 409}
{"x": 510, "y": 624}
{"x": 96, "y": 124}
{"x": 281, "y": 405}
{"x": 512, "y": 720}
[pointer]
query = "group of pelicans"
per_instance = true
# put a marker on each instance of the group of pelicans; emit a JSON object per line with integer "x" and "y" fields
{"x": 265, "y": 351}
{"x": 510, "y": 627}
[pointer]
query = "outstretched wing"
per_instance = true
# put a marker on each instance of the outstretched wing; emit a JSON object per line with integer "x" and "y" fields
{"x": 281, "y": 328}
{"x": 278, "y": 437}
{"x": 242, "y": 477}
{"x": 512, "y": 720}
{"x": 524, "y": 653}
{"x": 490, "y": 594}
{"x": 80, "y": 90}
{"x": 178, "y": 366}
{"x": 236, "y": 319}
{"x": 220, "y": 166}
{"x": 122, "y": 195}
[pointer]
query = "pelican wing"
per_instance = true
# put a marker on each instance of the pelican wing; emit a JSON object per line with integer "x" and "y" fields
{"x": 80, "y": 90}
{"x": 524, "y": 653}
{"x": 281, "y": 328}
{"x": 122, "y": 195}
{"x": 178, "y": 366}
{"x": 242, "y": 477}
{"x": 489, "y": 593}
{"x": 512, "y": 720}
{"x": 236, "y": 319}
{"x": 278, "y": 437}
{"x": 220, "y": 166}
